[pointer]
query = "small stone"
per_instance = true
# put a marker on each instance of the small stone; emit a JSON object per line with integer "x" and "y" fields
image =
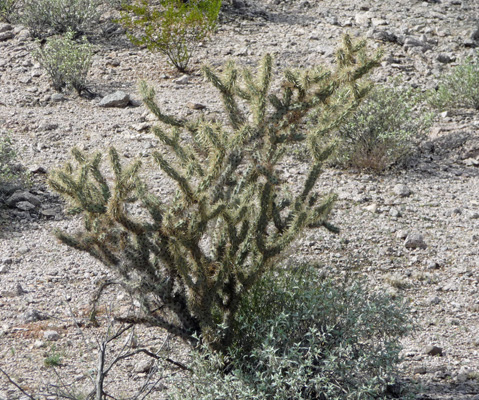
{"x": 372, "y": 208}
{"x": 4, "y": 269}
{"x": 420, "y": 370}
{"x": 19, "y": 196}
{"x": 182, "y": 80}
{"x": 25, "y": 206}
{"x": 363, "y": 19}
{"x": 435, "y": 300}
{"x": 32, "y": 315}
{"x": 402, "y": 234}
{"x": 37, "y": 169}
{"x": 23, "y": 250}
{"x": 19, "y": 290}
{"x": 5, "y": 27}
{"x": 195, "y": 106}
{"x": 394, "y": 212}
{"x": 433, "y": 350}
{"x": 402, "y": 190}
{"x": 39, "y": 344}
{"x": 433, "y": 265}
{"x": 415, "y": 241}
{"x": 444, "y": 58}
{"x": 57, "y": 97}
{"x": 6, "y": 36}
{"x": 119, "y": 99}
{"x": 144, "y": 366}
{"x": 51, "y": 335}
{"x": 49, "y": 212}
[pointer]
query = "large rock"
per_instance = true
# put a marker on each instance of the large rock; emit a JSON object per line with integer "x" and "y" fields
{"x": 118, "y": 99}
{"x": 22, "y": 196}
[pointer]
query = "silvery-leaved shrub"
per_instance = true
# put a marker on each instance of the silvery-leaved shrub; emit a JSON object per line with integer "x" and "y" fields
{"x": 304, "y": 337}
{"x": 47, "y": 17}
{"x": 460, "y": 87}
{"x": 383, "y": 131}
{"x": 7, "y": 9}
{"x": 172, "y": 27}
{"x": 66, "y": 61}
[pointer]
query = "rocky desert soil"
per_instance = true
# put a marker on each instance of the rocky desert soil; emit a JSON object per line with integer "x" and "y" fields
{"x": 410, "y": 231}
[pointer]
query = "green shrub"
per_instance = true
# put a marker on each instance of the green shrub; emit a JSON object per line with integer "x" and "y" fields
{"x": 459, "y": 88}
{"x": 383, "y": 131}
{"x": 172, "y": 27}
{"x": 7, "y": 8}
{"x": 304, "y": 337}
{"x": 48, "y": 17}
{"x": 189, "y": 258}
{"x": 66, "y": 61}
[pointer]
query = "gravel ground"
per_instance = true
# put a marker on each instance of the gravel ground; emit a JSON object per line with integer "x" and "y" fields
{"x": 46, "y": 288}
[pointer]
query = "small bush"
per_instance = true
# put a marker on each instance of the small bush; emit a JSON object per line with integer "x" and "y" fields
{"x": 172, "y": 27}
{"x": 304, "y": 337}
{"x": 48, "y": 17}
{"x": 7, "y": 8}
{"x": 460, "y": 88}
{"x": 383, "y": 131}
{"x": 66, "y": 61}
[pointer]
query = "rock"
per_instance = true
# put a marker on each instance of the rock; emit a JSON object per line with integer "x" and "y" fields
{"x": 445, "y": 58}
{"x": 4, "y": 269}
{"x": 32, "y": 315}
{"x": 433, "y": 350}
{"x": 394, "y": 212}
{"x": 57, "y": 97}
{"x": 144, "y": 366}
{"x": 6, "y": 36}
{"x": 433, "y": 265}
{"x": 410, "y": 42}
{"x": 23, "y": 250}
{"x": 118, "y": 99}
{"x": 22, "y": 196}
{"x": 182, "y": 80}
{"x": 5, "y": 28}
{"x": 415, "y": 241}
{"x": 402, "y": 234}
{"x": 402, "y": 190}
{"x": 195, "y": 106}
{"x": 372, "y": 208}
{"x": 25, "y": 206}
{"x": 51, "y": 335}
{"x": 435, "y": 300}
{"x": 37, "y": 169}
{"x": 363, "y": 19}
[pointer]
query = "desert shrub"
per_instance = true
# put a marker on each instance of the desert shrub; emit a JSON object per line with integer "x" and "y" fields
{"x": 48, "y": 17}
{"x": 172, "y": 27}
{"x": 66, "y": 61}
{"x": 305, "y": 337}
{"x": 459, "y": 88}
{"x": 384, "y": 130}
{"x": 7, "y": 8}
{"x": 189, "y": 258}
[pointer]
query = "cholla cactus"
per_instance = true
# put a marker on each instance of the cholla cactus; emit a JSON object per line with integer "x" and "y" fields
{"x": 194, "y": 256}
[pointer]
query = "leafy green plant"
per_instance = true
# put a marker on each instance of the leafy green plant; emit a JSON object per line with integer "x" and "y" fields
{"x": 54, "y": 358}
{"x": 49, "y": 17}
{"x": 172, "y": 27}
{"x": 383, "y": 131}
{"x": 191, "y": 257}
{"x": 459, "y": 88}
{"x": 304, "y": 337}
{"x": 66, "y": 61}
{"x": 7, "y": 8}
